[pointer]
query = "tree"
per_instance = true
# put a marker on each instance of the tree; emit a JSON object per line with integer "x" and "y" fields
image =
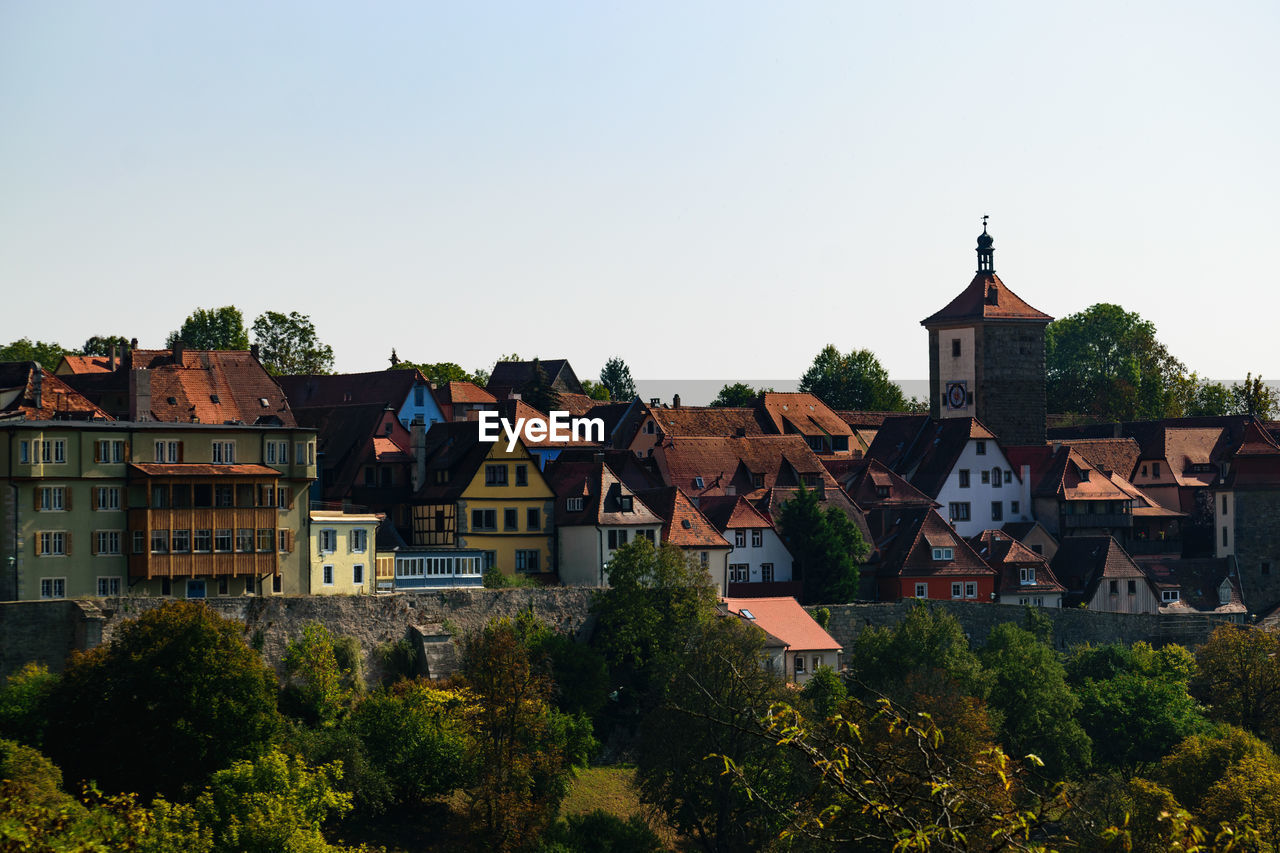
{"x": 825, "y": 546}
{"x": 1251, "y": 789}
{"x": 595, "y": 390}
{"x": 737, "y": 395}
{"x": 102, "y": 344}
{"x": 287, "y": 344}
{"x": 1133, "y": 719}
{"x": 47, "y": 355}
{"x": 600, "y": 832}
{"x": 1239, "y": 678}
{"x": 212, "y": 328}
{"x": 925, "y": 640}
{"x": 1253, "y": 397}
{"x": 616, "y": 377}
{"x": 22, "y": 704}
{"x": 181, "y": 694}
{"x": 319, "y": 689}
{"x": 539, "y": 392}
{"x": 855, "y": 381}
{"x": 1199, "y": 762}
{"x": 441, "y": 372}
{"x": 1029, "y": 688}
{"x": 1106, "y": 362}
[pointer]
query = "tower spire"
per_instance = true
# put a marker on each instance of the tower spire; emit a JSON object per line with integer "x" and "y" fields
{"x": 986, "y": 259}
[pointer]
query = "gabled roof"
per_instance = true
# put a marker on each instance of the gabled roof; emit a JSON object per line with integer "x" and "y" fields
{"x": 986, "y": 298}
{"x": 1198, "y": 582}
{"x": 732, "y": 512}
{"x": 600, "y": 490}
{"x": 705, "y": 421}
{"x": 785, "y": 619}
{"x": 454, "y": 448}
{"x": 907, "y": 549}
{"x": 83, "y": 364}
{"x": 1071, "y": 477}
{"x": 925, "y": 450}
{"x": 1008, "y": 556}
{"x": 1082, "y": 562}
{"x": 349, "y": 437}
{"x": 1109, "y": 454}
{"x": 457, "y": 396}
{"x": 732, "y": 464}
{"x": 22, "y": 381}
{"x": 388, "y": 387}
{"x": 800, "y": 413}
{"x": 872, "y": 485}
{"x": 683, "y": 524}
{"x": 514, "y": 375}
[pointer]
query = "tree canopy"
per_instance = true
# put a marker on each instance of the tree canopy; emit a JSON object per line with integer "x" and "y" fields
{"x": 46, "y": 354}
{"x": 102, "y": 344}
{"x": 287, "y": 344}
{"x": 826, "y": 547}
{"x": 854, "y": 381}
{"x": 212, "y": 328}
{"x": 616, "y": 376}
{"x": 737, "y": 395}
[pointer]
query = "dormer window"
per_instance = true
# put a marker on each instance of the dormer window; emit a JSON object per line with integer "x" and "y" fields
{"x": 943, "y": 554}
{"x": 882, "y": 491}
{"x": 1084, "y": 475}
{"x": 1155, "y": 470}
{"x": 624, "y": 503}
{"x": 1168, "y": 595}
{"x": 1027, "y": 575}
{"x": 757, "y": 481}
{"x": 698, "y": 483}
{"x": 573, "y": 505}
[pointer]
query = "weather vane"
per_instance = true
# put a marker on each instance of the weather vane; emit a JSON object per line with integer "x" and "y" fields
{"x": 984, "y": 223}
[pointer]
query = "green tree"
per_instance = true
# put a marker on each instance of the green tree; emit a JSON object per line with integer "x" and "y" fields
{"x": 1106, "y": 362}
{"x": 212, "y": 328}
{"x": 1029, "y": 689}
{"x": 714, "y": 690}
{"x": 1238, "y": 678}
{"x": 925, "y": 640}
{"x": 600, "y": 832}
{"x": 102, "y": 344}
{"x": 1251, "y": 789}
{"x": 855, "y": 381}
{"x": 1199, "y": 762}
{"x": 287, "y": 344}
{"x": 539, "y": 392}
{"x": 1133, "y": 719}
{"x": 23, "y": 701}
{"x": 616, "y": 376}
{"x": 47, "y": 355}
{"x": 180, "y": 692}
{"x": 1211, "y": 399}
{"x": 826, "y": 548}
{"x": 319, "y": 689}
{"x": 441, "y": 372}
{"x": 825, "y": 692}
{"x": 595, "y": 390}
{"x": 1253, "y": 397}
{"x": 738, "y": 395}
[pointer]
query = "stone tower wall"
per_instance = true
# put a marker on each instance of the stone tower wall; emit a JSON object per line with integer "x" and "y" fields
{"x": 1010, "y": 393}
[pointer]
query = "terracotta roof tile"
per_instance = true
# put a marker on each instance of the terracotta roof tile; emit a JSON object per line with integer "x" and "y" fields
{"x": 742, "y": 464}
{"x": 729, "y": 512}
{"x": 923, "y": 449}
{"x": 907, "y": 549}
{"x": 198, "y": 469}
{"x": 785, "y": 619}
{"x": 986, "y": 298}
{"x": 1109, "y": 454}
{"x": 19, "y": 381}
{"x": 601, "y": 491}
{"x": 84, "y": 364}
{"x": 801, "y": 413}
{"x": 1008, "y": 557}
{"x": 706, "y": 421}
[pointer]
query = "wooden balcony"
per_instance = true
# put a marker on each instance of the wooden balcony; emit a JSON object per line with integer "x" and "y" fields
{"x": 205, "y": 563}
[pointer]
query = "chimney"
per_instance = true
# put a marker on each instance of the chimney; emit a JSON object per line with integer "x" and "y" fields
{"x": 179, "y": 350}
{"x": 111, "y": 365}
{"x": 418, "y": 449}
{"x": 139, "y": 395}
{"x": 133, "y": 344}
{"x": 655, "y": 402}
{"x": 675, "y": 401}
{"x": 37, "y": 387}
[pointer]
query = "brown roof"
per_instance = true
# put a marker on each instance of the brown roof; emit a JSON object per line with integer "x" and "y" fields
{"x": 728, "y": 512}
{"x": 58, "y": 400}
{"x": 1109, "y": 454}
{"x": 1197, "y": 582}
{"x": 467, "y": 392}
{"x": 683, "y": 524}
{"x": 907, "y": 550}
{"x": 865, "y": 420}
{"x": 514, "y": 375}
{"x": 344, "y": 435}
{"x": 600, "y": 490}
{"x": 1007, "y": 556}
{"x": 199, "y": 469}
{"x": 577, "y": 405}
{"x": 986, "y": 298}
{"x": 785, "y": 619}
{"x": 800, "y": 413}
{"x": 734, "y": 463}
{"x": 1082, "y": 562}
{"x": 705, "y": 421}
{"x": 872, "y": 485}
{"x": 84, "y": 364}
{"x": 923, "y": 449}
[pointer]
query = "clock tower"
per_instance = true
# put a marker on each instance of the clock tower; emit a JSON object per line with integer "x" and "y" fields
{"x": 986, "y": 356}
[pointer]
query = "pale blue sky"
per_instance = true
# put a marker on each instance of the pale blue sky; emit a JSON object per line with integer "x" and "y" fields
{"x": 710, "y": 190}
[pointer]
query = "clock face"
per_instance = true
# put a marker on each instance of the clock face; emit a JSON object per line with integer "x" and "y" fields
{"x": 957, "y": 395}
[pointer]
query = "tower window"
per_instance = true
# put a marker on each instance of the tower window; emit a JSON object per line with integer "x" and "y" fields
{"x": 955, "y": 347}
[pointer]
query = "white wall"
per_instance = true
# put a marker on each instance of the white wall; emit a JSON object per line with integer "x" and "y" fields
{"x": 981, "y": 495}
{"x": 771, "y": 550}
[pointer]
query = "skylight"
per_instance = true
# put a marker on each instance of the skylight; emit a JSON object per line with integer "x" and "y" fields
{"x": 748, "y": 614}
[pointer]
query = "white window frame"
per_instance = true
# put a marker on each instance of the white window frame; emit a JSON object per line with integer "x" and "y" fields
{"x": 107, "y": 542}
{"x": 53, "y": 498}
{"x": 739, "y": 572}
{"x": 573, "y": 505}
{"x": 1168, "y": 596}
{"x": 970, "y": 589}
{"x": 53, "y": 543}
{"x": 1027, "y": 574}
{"x": 53, "y": 587}
{"x": 757, "y": 538}
{"x": 957, "y": 590}
{"x": 922, "y": 590}
{"x": 739, "y": 538}
{"x": 108, "y": 499}
{"x": 358, "y": 540}
{"x": 224, "y": 453}
{"x": 944, "y": 554}
{"x": 327, "y": 575}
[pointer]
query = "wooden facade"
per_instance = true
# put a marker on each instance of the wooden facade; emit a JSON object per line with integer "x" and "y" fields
{"x": 435, "y": 524}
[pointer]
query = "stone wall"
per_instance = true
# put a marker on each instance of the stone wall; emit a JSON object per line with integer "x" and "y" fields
{"x": 1071, "y": 627}
{"x": 1010, "y": 396}
{"x": 1257, "y": 540}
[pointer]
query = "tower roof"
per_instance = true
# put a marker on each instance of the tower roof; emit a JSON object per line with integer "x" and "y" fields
{"x": 986, "y": 298}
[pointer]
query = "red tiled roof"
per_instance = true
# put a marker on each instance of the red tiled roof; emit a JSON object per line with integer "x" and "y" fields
{"x": 785, "y": 619}
{"x": 907, "y": 549}
{"x": 683, "y": 524}
{"x": 1007, "y": 555}
{"x": 84, "y": 364}
{"x": 868, "y": 478}
{"x": 803, "y": 413}
{"x": 923, "y": 449}
{"x": 725, "y": 464}
{"x": 58, "y": 400}
{"x": 200, "y": 469}
{"x": 705, "y": 421}
{"x": 1109, "y": 454}
{"x": 468, "y": 392}
{"x": 865, "y": 420}
{"x": 986, "y": 298}
{"x": 728, "y": 512}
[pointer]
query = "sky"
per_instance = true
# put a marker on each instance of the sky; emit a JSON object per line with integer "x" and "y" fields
{"x": 709, "y": 190}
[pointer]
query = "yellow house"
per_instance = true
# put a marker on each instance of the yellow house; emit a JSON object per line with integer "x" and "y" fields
{"x": 343, "y": 557}
{"x": 482, "y": 497}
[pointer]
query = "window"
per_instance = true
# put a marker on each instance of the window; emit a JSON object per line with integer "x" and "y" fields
{"x": 1224, "y": 504}
{"x": 160, "y": 541}
{"x": 766, "y": 572}
{"x": 757, "y": 481}
{"x": 284, "y": 540}
{"x": 53, "y": 499}
{"x": 300, "y": 451}
{"x": 419, "y": 395}
{"x": 944, "y": 554}
{"x": 484, "y": 519}
{"x": 266, "y": 539}
{"x": 625, "y": 503}
{"x": 181, "y": 541}
{"x": 108, "y": 586}
{"x": 757, "y": 538}
{"x": 1008, "y": 476}
{"x": 53, "y": 587}
{"x": 617, "y": 538}
{"x": 106, "y": 542}
{"x": 195, "y": 589}
{"x": 108, "y": 450}
{"x": 284, "y": 497}
{"x": 311, "y": 453}
{"x": 955, "y": 347}
{"x": 1155, "y": 470}
{"x": 495, "y": 475}
{"x": 922, "y": 590}
{"x": 328, "y": 575}
{"x": 1167, "y": 595}
{"x": 1113, "y": 587}
{"x": 224, "y": 586}
{"x": 1224, "y": 536}
{"x": 739, "y": 538}
{"x": 223, "y": 496}
{"x": 168, "y": 451}
{"x": 986, "y": 477}
{"x": 277, "y": 584}
{"x": 958, "y": 511}
{"x": 817, "y": 662}
{"x": 202, "y": 541}
{"x": 799, "y": 664}
{"x": 166, "y": 586}
{"x": 997, "y": 477}
{"x": 222, "y": 539}
{"x": 573, "y": 505}
{"x": 522, "y": 475}
{"x": 328, "y": 540}
{"x": 1013, "y": 507}
{"x": 489, "y": 560}
{"x": 964, "y": 481}
{"x": 139, "y": 541}
{"x": 249, "y": 585}
{"x": 108, "y": 498}
{"x": 357, "y": 574}
{"x": 698, "y": 483}
{"x": 533, "y": 519}
{"x": 271, "y": 453}
{"x": 1133, "y": 587}
{"x": 738, "y": 572}
{"x": 980, "y": 448}
{"x": 244, "y": 539}
{"x": 510, "y": 519}
{"x": 649, "y": 427}
{"x": 957, "y": 590}
{"x": 971, "y": 589}
{"x": 1026, "y": 575}
{"x": 224, "y": 453}
{"x": 358, "y": 540}
{"x": 997, "y": 510}
{"x": 24, "y": 452}
{"x": 53, "y": 450}
{"x": 526, "y": 560}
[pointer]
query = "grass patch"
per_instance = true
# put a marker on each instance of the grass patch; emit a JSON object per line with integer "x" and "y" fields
{"x": 611, "y": 789}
